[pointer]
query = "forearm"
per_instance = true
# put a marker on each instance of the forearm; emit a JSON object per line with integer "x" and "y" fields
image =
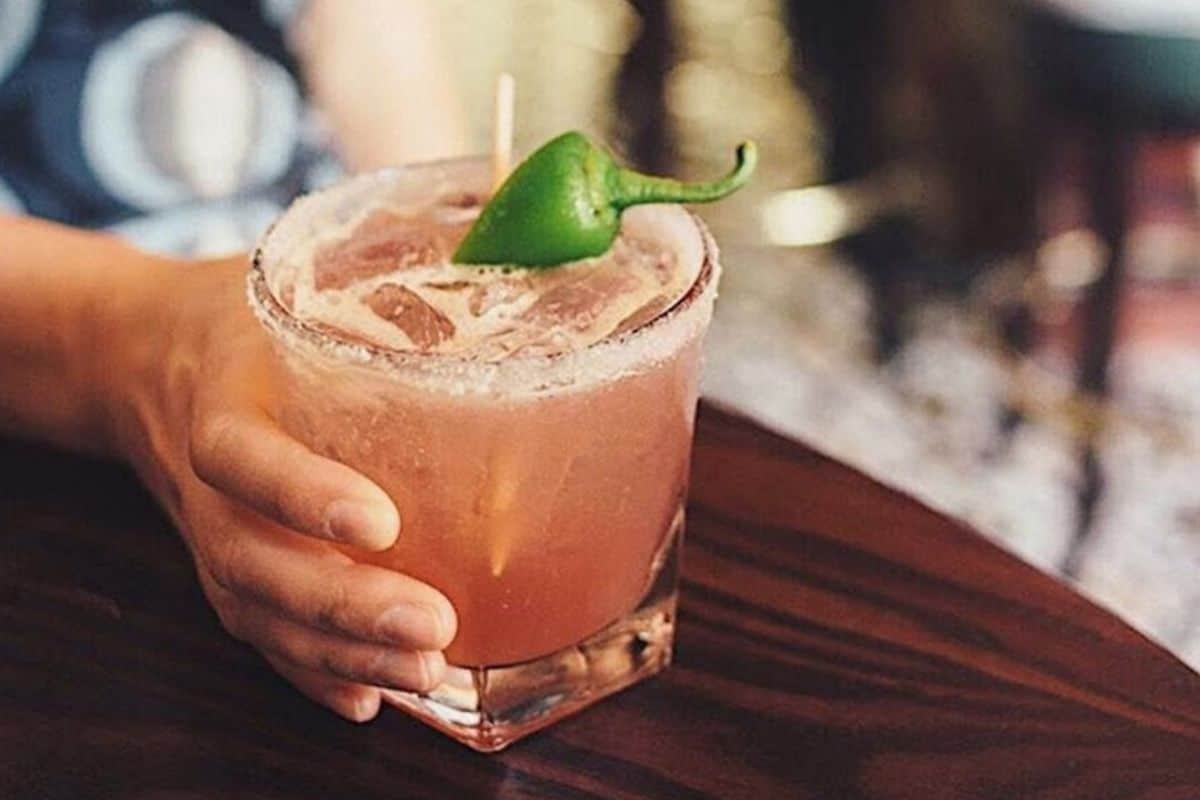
{"x": 67, "y": 301}
{"x": 378, "y": 71}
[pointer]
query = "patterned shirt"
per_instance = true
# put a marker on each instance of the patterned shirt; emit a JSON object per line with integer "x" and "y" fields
{"x": 177, "y": 124}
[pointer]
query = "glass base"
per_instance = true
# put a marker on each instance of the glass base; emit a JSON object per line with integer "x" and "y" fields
{"x": 489, "y": 708}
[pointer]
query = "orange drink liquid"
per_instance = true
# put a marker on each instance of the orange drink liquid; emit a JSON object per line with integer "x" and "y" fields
{"x": 532, "y": 427}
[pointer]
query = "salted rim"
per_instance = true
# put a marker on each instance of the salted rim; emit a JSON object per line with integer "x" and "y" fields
{"x": 601, "y": 361}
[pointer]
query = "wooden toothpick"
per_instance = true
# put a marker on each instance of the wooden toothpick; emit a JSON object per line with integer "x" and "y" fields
{"x": 502, "y": 130}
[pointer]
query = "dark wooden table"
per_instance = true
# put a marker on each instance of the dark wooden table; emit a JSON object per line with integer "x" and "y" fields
{"x": 836, "y": 640}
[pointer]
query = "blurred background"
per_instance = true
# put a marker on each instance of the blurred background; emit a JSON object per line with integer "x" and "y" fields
{"x": 969, "y": 263}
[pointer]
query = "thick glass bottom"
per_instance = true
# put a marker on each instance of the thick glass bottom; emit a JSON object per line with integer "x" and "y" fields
{"x": 489, "y": 708}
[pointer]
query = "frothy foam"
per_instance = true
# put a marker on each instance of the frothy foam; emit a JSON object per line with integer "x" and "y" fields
{"x": 385, "y": 277}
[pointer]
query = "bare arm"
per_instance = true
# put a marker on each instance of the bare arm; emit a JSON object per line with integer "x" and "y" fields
{"x": 378, "y": 70}
{"x": 59, "y": 288}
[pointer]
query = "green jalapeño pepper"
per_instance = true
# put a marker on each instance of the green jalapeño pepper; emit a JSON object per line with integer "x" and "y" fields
{"x": 564, "y": 203}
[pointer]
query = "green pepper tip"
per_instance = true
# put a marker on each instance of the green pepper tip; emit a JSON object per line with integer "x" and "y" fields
{"x": 747, "y": 159}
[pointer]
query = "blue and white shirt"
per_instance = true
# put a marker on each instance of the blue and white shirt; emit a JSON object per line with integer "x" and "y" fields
{"x": 178, "y": 124}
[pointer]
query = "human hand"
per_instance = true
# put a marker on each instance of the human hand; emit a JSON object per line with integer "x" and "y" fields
{"x": 193, "y": 411}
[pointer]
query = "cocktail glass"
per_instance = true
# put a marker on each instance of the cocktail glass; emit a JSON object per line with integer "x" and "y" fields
{"x": 544, "y": 495}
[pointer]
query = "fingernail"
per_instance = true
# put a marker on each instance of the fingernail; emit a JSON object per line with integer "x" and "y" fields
{"x": 359, "y": 523}
{"x": 363, "y": 706}
{"x": 411, "y": 623}
{"x": 434, "y": 663}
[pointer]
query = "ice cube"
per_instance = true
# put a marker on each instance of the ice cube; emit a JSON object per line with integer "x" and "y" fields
{"x": 527, "y": 344}
{"x": 578, "y": 302}
{"x": 384, "y": 242}
{"x": 425, "y": 326}
{"x": 643, "y": 314}
{"x": 487, "y": 296}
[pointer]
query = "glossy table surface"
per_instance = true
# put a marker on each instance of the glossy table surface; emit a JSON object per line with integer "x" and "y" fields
{"x": 836, "y": 640}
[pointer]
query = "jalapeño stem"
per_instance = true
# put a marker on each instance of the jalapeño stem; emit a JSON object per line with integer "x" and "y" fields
{"x": 629, "y": 188}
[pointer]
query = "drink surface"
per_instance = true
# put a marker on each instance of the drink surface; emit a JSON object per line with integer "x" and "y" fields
{"x": 385, "y": 277}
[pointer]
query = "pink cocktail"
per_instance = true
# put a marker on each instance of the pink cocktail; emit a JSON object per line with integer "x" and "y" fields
{"x": 534, "y": 430}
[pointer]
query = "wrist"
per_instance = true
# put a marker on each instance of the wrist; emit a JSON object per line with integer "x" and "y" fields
{"x": 121, "y": 343}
